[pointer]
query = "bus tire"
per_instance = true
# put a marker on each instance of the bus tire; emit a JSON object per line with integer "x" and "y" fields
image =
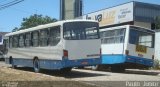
{"x": 12, "y": 63}
{"x": 95, "y": 68}
{"x": 117, "y": 69}
{"x": 65, "y": 70}
{"x": 98, "y": 67}
{"x": 36, "y": 65}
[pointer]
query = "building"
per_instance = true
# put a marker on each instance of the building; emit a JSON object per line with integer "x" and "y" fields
{"x": 70, "y": 9}
{"x": 1, "y": 40}
{"x": 133, "y": 13}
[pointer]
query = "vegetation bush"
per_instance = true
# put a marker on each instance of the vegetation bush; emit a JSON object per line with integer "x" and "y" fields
{"x": 156, "y": 64}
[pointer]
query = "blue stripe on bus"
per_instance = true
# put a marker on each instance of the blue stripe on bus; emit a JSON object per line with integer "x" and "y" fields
{"x": 83, "y": 62}
{"x": 120, "y": 59}
{"x": 113, "y": 59}
{"x": 57, "y": 64}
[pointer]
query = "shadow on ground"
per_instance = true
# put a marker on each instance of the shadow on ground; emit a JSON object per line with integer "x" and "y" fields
{"x": 134, "y": 71}
{"x": 142, "y": 72}
{"x": 72, "y": 74}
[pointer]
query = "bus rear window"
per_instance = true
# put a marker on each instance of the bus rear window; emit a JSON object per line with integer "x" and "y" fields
{"x": 141, "y": 38}
{"x": 81, "y": 30}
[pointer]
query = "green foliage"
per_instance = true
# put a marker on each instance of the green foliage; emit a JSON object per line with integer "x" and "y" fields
{"x": 156, "y": 64}
{"x": 34, "y": 20}
{"x": 15, "y": 29}
{"x": 157, "y": 22}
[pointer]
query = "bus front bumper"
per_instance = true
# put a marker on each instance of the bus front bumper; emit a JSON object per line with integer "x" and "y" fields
{"x": 82, "y": 62}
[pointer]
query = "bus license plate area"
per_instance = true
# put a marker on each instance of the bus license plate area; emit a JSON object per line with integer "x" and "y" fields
{"x": 141, "y": 49}
{"x": 140, "y": 55}
{"x": 84, "y": 63}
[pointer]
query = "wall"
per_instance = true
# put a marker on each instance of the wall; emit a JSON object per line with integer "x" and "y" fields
{"x": 111, "y": 16}
{"x": 143, "y": 24}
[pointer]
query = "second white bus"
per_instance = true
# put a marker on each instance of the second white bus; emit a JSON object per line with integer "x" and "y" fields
{"x": 127, "y": 47}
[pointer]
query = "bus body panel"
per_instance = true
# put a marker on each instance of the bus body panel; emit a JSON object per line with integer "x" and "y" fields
{"x": 132, "y": 52}
{"x": 83, "y": 49}
{"x": 112, "y": 48}
{"x": 112, "y": 53}
{"x": 52, "y": 52}
{"x": 138, "y": 57}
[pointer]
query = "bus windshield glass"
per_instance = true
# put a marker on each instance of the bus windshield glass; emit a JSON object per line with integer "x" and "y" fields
{"x": 81, "y": 30}
{"x": 139, "y": 37}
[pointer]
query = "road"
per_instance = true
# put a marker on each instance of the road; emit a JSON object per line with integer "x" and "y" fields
{"x": 92, "y": 78}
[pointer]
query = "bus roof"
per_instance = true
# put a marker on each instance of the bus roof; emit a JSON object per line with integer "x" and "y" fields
{"x": 124, "y": 26}
{"x": 39, "y": 27}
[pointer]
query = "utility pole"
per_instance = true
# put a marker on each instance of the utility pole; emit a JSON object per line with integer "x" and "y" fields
{"x": 70, "y": 9}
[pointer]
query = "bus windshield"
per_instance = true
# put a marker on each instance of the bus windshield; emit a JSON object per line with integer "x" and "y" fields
{"x": 81, "y": 30}
{"x": 144, "y": 38}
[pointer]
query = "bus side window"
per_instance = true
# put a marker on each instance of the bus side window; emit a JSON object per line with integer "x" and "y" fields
{"x": 35, "y": 39}
{"x": 28, "y": 39}
{"x": 113, "y": 36}
{"x": 15, "y": 42}
{"x": 5, "y": 47}
{"x": 10, "y": 42}
{"x": 44, "y": 37}
{"x": 54, "y": 36}
{"x": 7, "y": 43}
{"x": 21, "y": 40}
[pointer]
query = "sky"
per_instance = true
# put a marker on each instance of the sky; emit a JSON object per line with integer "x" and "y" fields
{"x": 12, "y": 17}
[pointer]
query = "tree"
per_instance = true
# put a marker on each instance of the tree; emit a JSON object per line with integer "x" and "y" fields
{"x": 15, "y": 29}
{"x": 35, "y": 20}
{"x": 157, "y": 22}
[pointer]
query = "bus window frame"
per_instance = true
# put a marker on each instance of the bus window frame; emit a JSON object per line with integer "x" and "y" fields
{"x": 43, "y": 40}
{"x": 58, "y": 39}
{"x": 137, "y": 38}
{"x": 37, "y": 39}
{"x": 71, "y": 38}
{"x": 114, "y": 36}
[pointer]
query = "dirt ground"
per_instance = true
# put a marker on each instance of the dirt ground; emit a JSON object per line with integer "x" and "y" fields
{"x": 25, "y": 77}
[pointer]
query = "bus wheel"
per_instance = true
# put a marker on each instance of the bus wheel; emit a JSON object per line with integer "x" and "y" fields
{"x": 36, "y": 66}
{"x": 65, "y": 70}
{"x": 12, "y": 63}
{"x": 96, "y": 67}
{"x": 118, "y": 69}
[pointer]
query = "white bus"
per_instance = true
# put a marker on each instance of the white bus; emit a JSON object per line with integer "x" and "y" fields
{"x": 127, "y": 47}
{"x": 61, "y": 45}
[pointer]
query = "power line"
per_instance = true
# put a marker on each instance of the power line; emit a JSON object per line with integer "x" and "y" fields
{"x": 22, "y": 11}
{"x": 9, "y": 3}
{"x": 4, "y": 6}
